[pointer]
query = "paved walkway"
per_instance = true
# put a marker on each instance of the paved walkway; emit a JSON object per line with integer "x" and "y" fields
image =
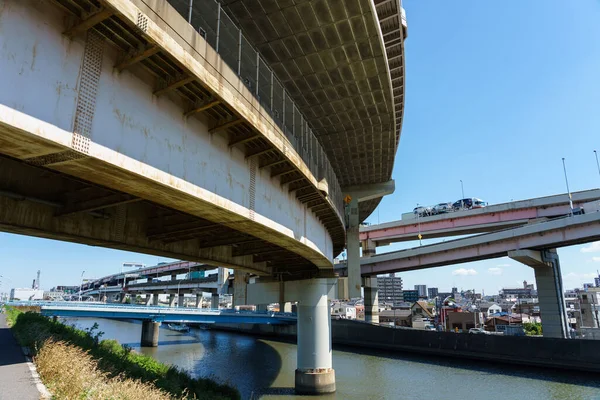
{"x": 16, "y": 381}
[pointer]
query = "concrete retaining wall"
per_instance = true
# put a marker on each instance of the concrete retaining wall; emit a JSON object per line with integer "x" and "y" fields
{"x": 583, "y": 355}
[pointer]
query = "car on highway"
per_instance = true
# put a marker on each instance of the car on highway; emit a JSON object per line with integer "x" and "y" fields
{"x": 422, "y": 211}
{"x": 442, "y": 208}
{"x": 462, "y": 204}
{"x": 478, "y": 203}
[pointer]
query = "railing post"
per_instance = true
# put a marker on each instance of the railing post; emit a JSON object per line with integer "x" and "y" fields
{"x": 190, "y": 12}
{"x": 218, "y": 27}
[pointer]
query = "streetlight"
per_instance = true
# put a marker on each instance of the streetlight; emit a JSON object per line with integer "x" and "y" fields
{"x": 567, "y": 182}
{"x": 419, "y": 224}
{"x": 597, "y": 164}
{"x": 462, "y": 189}
{"x": 81, "y": 284}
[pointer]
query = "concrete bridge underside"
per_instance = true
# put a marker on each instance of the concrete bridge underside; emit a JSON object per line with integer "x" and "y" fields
{"x": 96, "y": 148}
{"x": 122, "y": 127}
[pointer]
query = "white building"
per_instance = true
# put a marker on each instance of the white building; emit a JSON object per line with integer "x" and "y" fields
{"x": 25, "y": 294}
{"x": 494, "y": 309}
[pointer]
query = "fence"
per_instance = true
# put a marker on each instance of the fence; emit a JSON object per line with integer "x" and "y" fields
{"x": 210, "y": 20}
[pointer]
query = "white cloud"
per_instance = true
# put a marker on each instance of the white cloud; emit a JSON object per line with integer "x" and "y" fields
{"x": 592, "y": 248}
{"x": 596, "y": 259}
{"x": 464, "y": 272}
{"x": 578, "y": 279}
{"x": 502, "y": 265}
{"x": 495, "y": 271}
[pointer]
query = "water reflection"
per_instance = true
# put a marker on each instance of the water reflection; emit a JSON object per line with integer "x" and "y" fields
{"x": 265, "y": 368}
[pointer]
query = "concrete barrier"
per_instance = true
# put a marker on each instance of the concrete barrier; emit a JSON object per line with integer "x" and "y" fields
{"x": 572, "y": 354}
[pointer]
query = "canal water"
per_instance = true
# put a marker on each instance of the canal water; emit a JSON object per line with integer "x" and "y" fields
{"x": 264, "y": 369}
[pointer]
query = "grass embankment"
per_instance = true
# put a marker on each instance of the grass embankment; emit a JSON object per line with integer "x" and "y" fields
{"x": 75, "y": 364}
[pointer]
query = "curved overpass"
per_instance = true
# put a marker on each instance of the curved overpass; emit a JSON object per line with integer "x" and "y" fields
{"x": 143, "y": 133}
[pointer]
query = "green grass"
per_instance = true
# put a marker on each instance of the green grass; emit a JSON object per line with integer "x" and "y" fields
{"x": 33, "y": 330}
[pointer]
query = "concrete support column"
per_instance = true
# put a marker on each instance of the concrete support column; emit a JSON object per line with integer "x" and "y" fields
{"x": 550, "y": 290}
{"x": 261, "y": 307}
{"x": 148, "y": 298}
{"x": 123, "y": 297}
{"x": 314, "y": 373}
{"x": 155, "y": 299}
{"x": 198, "y": 300}
{"x": 283, "y": 306}
{"x": 240, "y": 288}
{"x": 371, "y": 300}
{"x": 353, "y": 240}
{"x": 180, "y": 302}
{"x": 368, "y": 248}
{"x": 214, "y": 301}
{"x": 223, "y": 277}
{"x": 150, "y": 331}
{"x": 172, "y": 300}
{"x": 174, "y": 277}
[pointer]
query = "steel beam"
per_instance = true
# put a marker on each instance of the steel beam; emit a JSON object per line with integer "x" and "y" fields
{"x": 137, "y": 57}
{"x": 88, "y": 23}
{"x": 210, "y": 103}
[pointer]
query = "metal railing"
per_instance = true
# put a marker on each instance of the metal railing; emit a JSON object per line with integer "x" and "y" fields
{"x": 208, "y": 18}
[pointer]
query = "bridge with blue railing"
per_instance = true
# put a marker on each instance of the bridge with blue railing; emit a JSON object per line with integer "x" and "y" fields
{"x": 152, "y": 317}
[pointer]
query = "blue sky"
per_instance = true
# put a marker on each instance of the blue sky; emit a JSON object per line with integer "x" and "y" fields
{"x": 496, "y": 94}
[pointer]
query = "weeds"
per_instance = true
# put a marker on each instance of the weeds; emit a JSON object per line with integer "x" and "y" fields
{"x": 112, "y": 360}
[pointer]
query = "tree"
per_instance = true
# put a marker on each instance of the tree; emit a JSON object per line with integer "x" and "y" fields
{"x": 533, "y": 328}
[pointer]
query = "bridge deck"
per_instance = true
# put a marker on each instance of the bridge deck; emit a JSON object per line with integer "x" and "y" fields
{"x": 559, "y": 232}
{"x": 164, "y": 314}
{"x": 492, "y": 218}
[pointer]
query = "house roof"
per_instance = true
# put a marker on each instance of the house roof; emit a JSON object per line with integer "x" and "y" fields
{"x": 424, "y": 306}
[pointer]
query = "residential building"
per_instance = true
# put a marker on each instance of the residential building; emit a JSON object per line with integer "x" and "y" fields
{"x": 421, "y": 309}
{"x": 432, "y": 292}
{"x": 410, "y": 296}
{"x": 463, "y": 321}
{"x": 422, "y": 290}
{"x": 589, "y": 306}
{"x": 493, "y": 309}
{"x": 390, "y": 289}
{"x": 396, "y": 318}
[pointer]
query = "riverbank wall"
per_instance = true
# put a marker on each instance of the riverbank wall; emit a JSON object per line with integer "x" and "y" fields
{"x": 571, "y": 354}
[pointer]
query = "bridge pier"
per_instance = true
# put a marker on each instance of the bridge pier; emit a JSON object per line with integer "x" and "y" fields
{"x": 181, "y": 300}
{"x": 155, "y": 299}
{"x": 198, "y": 300}
{"x": 148, "y": 299}
{"x": 353, "y": 249}
{"x": 150, "y": 331}
{"x": 171, "y": 300}
{"x": 240, "y": 288}
{"x": 314, "y": 373}
{"x": 214, "y": 301}
{"x": 371, "y": 300}
{"x": 368, "y": 248}
{"x": 550, "y": 290}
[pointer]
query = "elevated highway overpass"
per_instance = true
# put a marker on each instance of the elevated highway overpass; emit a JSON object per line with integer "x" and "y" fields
{"x": 488, "y": 219}
{"x": 533, "y": 245}
{"x": 225, "y": 134}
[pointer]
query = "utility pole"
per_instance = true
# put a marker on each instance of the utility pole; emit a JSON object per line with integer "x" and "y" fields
{"x": 567, "y": 182}
{"x": 597, "y": 163}
{"x": 81, "y": 284}
{"x": 462, "y": 190}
